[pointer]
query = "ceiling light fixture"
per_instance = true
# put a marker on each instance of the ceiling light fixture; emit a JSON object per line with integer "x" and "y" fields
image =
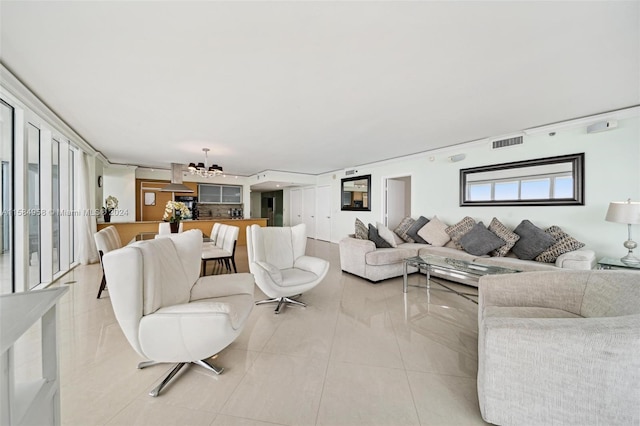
{"x": 203, "y": 169}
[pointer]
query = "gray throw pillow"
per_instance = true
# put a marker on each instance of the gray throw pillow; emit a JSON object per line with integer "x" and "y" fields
{"x": 362, "y": 233}
{"x": 506, "y": 234}
{"x": 458, "y": 230}
{"x": 376, "y": 238}
{"x": 413, "y": 229}
{"x": 532, "y": 242}
{"x": 402, "y": 229}
{"x": 564, "y": 244}
{"x": 480, "y": 241}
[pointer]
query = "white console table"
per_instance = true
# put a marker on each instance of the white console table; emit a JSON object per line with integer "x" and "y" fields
{"x": 36, "y": 402}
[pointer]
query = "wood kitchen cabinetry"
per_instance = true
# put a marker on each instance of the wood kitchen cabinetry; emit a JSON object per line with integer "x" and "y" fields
{"x": 155, "y": 211}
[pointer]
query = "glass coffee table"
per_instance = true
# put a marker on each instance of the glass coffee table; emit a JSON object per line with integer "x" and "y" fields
{"x": 611, "y": 263}
{"x": 447, "y": 267}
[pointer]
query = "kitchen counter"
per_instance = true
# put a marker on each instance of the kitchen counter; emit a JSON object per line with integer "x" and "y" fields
{"x": 128, "y": 230}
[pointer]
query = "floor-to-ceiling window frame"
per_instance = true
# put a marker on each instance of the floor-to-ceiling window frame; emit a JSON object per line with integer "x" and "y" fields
{"x": 33, "y": 205}
{"x": 40, "y": 174}
{"x": 55, "y": 206}
{"x": 62, "y": 218}
{"x": 7, "y": 126}
{"x": 73, "y": 239}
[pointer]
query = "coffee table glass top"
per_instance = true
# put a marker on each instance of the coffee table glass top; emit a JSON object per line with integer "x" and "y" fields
{"x": 610, "y": 261}
{"x": 472, "y": 268}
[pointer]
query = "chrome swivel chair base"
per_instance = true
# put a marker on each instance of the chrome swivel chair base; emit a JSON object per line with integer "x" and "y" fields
{"x": 282, "y": 301}
{"x": 205, "y": 363}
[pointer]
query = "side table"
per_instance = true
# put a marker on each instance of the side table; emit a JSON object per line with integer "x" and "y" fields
{"x": 613, "y": 263}
{"x": 38, "y": 401}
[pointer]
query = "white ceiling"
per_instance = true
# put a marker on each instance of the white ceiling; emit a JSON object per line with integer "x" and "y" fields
{"x": 313, "y": 87}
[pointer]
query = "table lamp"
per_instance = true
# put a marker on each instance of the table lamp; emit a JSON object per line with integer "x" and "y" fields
{"x": 626, "y": 212}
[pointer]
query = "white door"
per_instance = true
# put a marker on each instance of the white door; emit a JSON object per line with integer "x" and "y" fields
{"x": 323, "y": 209}
{"x": 295, "y": 201}
{"x": 309, "y": 211}
{"x": 395, "y": 202}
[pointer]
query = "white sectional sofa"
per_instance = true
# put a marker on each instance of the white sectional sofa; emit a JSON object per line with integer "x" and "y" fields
{"x": 361, "y": 257}
{"x": 559, "y": 348}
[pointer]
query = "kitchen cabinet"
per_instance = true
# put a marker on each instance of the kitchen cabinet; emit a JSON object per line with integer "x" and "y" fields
{"x": 219, "y": 194}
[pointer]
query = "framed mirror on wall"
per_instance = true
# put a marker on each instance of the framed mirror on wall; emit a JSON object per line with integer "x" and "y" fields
{"x": 355, "y": 193}
{"x": 541, "y": 182}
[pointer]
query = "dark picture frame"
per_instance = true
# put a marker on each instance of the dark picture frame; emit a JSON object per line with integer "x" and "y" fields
{"x": 514, "y": 184}
{"x": 355, "y": 193}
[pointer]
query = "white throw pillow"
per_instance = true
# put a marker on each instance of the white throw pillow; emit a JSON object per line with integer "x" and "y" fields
{"x": 397, "y": 238}
{"x": 386, "y": 234}
{"x": 434, "y": 232}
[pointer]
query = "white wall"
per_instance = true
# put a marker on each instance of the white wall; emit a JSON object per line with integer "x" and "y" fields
{"x": 286, "y": 207}
{"x": 255, "y": 210}
{"x": 612, "y": 173}
{"x": 120, "y": 181}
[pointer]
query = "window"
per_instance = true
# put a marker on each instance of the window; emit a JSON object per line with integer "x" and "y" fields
{"x": 55, "y": 204}
{"x": 33, "y": 203}
{"x": 6, "y": 198}
{"x": 42, "y": 210}
{"x": 72, "y": 205}
{"x": 506, "y": 190}
{"x": 546, "y": 181}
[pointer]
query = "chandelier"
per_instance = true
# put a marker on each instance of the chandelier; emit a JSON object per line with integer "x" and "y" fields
{"x": 203, "y": 169}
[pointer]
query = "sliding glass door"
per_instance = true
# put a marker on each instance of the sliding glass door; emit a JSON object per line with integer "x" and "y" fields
{"x": 33, "y": 203}
{"x": 7, "y": 124}
{"x": 38, "y": 168}
{"x": 55, "y": 204}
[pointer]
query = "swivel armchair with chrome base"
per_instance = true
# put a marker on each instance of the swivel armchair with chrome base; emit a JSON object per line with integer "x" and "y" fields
{"x": 106, "y": 239}
{"x": 169, "y": 314}
{"x": 279, "y": 265}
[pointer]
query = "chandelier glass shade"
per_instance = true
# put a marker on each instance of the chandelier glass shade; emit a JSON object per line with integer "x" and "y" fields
{"x": 203, "y": 169}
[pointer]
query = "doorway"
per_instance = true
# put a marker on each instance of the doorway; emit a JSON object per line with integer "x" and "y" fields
{"x": 323, "y": 209}
{"x": 271, "y": 207}
{"x": 397, "y": 202}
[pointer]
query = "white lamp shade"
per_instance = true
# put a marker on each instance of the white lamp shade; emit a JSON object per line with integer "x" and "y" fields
{"x": 624, "y": 212}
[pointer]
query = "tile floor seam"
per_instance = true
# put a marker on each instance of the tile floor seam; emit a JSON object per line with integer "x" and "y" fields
{"x": 335, "y": 327}
{"x": 235, "y": 388}
{"x": 246, "y": 418}
{"x": 402, "y": 358}
{"x": 121, "y": 410}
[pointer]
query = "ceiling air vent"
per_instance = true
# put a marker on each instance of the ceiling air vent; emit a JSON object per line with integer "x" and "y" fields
{"x": 502, "y": 143}
{"x": 350, "y": 172}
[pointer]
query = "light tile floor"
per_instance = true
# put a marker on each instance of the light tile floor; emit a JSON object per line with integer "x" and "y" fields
{"x": 359, "y": 354}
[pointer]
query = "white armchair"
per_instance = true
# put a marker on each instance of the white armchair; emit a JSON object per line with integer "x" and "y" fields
{"x": 559, "y": 347}
{"x": 107, "y": 239}
{"x": 167, "y": 312}
{"x": 278, "y": 262}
